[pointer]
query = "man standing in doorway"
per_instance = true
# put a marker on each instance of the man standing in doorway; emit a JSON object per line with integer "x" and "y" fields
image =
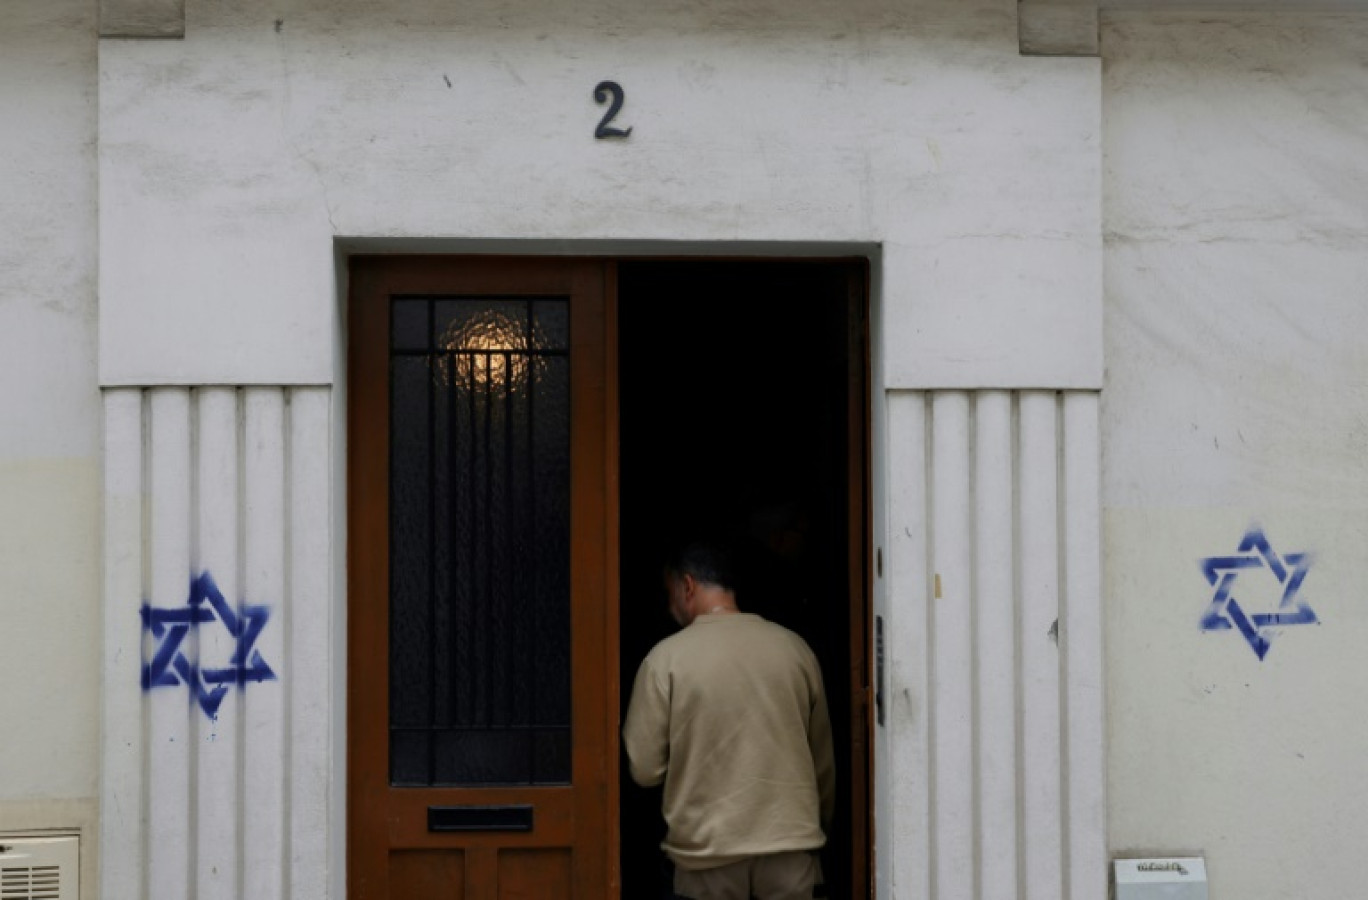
{"x": 731, "y": 715}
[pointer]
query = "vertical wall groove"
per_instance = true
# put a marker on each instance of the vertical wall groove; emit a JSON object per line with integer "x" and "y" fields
{"x": 122, "y": 839}
{"x": 976, "y": 661}
{"x": 1039, "y": 632}
{"x": 928, "y": 618}
{"x": 996, "y": 731}
{"x": 1061, "y": 637}
{"x": 226, "y": 493}
{"x": 310, "y": 634}
{"x": 996, "y": 644}
{"x": 1018, "y": 692}
{"x": 287, "y": 615}
{"x": 169, "y": 741}
{"x": 952, "y": 676}
{"x": 264, "y": 715}
{"x": 145, "y": 591}
{"x": 218, "y": 763}
{"x": 1083, "y": 649}
{"x": 237, "y": 699}
{"x": 908, "y": 836}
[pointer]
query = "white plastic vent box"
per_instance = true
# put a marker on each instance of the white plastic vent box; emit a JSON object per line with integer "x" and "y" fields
{"x": 39, "y": 868}
{"x": 1180, "y": 878}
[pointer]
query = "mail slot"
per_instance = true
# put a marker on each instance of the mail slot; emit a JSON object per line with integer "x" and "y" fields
{"x": 480, "y": 818}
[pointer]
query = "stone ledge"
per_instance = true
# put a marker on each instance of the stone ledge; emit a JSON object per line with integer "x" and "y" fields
{"x": 142, "y": 18}
{"x": 1057, "y": 27}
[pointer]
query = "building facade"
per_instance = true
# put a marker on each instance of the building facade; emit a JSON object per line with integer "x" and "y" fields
{"x": 1101, "y": 275}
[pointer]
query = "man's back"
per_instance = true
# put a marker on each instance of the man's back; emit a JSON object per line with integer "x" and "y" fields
{"x": 730, "y": 712}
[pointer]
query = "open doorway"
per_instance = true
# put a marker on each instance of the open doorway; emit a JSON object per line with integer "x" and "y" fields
{"x": 743, "y": 412}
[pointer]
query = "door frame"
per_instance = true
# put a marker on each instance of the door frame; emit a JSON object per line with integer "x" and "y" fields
{"x": 866, "y": 579}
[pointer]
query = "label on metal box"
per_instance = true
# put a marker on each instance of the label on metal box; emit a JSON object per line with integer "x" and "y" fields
{"x": 1178, "y": 878}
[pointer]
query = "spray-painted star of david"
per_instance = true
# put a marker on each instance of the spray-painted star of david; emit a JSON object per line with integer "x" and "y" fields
{"x": 1225, "y": 611}
{"x": 169, "y": 667}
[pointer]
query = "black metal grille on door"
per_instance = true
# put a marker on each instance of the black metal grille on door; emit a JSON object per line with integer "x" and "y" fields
{"x": 479, "y": 541}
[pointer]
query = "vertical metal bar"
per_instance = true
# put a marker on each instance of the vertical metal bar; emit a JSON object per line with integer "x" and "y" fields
{"x": 392, "y": 415}
{"x": 122, "y": 815}
{"x": 491, "y": 632}
{"x": 1038, "y": 540}
{"x": 453, "y": 516}
{"x": 996, "y": 650}
{"x": 908, "y": 648}
{"x": 952, "y": 674}
{"x": 169, "y": 745}
{"x": 310, "y": 593}
{"x": 218, "y": 771}
{"x": 433, "y": 367}
{"x": 1082, "y": 633}
{"x": 472, "y": 599}
{"x": 510, "y": 527}
{"x": 506, "y": 513}
{"x": 443, "y": 563}
{"x": 531, "y": 543}
{"x": 264, "y": 702}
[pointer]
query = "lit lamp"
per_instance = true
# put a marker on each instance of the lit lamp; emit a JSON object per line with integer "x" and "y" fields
{"x": 488, "y": 348}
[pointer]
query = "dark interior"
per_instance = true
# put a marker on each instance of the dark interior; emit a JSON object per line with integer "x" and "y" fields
{"x": 734, "y": 391}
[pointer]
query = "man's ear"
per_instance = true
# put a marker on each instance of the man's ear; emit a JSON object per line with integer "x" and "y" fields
{"x": 690, "y": 585}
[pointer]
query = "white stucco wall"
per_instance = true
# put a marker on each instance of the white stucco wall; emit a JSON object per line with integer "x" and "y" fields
{"x": 49, "y": 423}
{"x": 230, "y": 160}
{"x": 49, "y": 409}
{"x": 1236, "y": 215}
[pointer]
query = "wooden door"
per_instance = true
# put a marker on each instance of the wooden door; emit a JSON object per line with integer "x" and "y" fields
{"x": 482, "y": 750}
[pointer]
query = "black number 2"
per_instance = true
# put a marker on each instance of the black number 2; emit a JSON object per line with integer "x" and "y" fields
{"x": 602, "y": 92}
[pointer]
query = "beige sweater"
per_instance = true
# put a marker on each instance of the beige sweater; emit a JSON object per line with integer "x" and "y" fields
{"x": 731, "y": 715}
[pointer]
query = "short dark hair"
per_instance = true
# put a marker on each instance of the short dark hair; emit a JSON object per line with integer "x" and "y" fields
{"x": 707, "y": 562}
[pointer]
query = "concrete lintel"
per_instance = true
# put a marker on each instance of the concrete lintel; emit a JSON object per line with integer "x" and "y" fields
{"x": 1057, "y": 27}
{"x": 142, "y": 18}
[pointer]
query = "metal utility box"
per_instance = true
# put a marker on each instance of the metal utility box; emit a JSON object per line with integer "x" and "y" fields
{"x": 39, "y": 867}
{"x": 1178, "y": 878}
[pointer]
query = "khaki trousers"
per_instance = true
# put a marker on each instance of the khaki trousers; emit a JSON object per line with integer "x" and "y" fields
{"x": 775, "y": 876}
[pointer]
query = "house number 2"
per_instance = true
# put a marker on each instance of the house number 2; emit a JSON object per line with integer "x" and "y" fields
{"x": 602, "y": 92}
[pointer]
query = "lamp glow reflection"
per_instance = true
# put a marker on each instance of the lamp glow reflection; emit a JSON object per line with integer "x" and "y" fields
{"x": 489, "y": 348}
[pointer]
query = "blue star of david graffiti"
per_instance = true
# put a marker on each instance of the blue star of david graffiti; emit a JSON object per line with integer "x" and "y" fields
{"x": 1225, "y": 612}
{"x": 169, "y": 667}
